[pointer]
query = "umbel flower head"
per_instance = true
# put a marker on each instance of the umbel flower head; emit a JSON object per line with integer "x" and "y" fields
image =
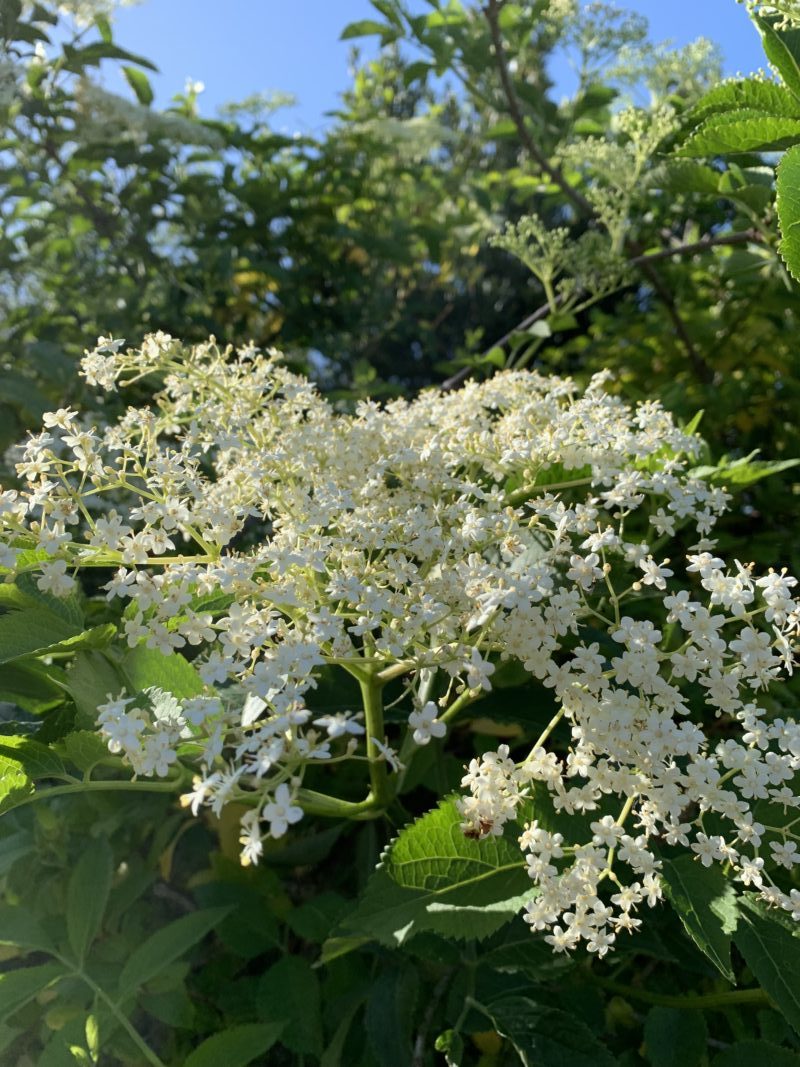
{"x": 431, "y": 540}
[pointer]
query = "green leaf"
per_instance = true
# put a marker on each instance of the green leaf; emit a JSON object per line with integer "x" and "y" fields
{"x": 433, "y": 878}
{"x": 289, "y": 998}
{"x": 547, "y": 1037}
{"x": 92, "y": 55}
{"x": 315, "y": 919}
{"x": 19, "y": 986}
{"x": 743, "y": 471}
{"x": 66, "y": 607}
{"x": 19, "y": 927}
{"x": 32, "y": 630}
{"x": 748, "y": 1053}
{"x": 772, "y": 952}
{"x": 788, "y": 204}
{"x": 706, "y": 904}
{"x": 103, "y": 28}
{"x": 15, "y": 785}
{"x": 13, "y": 847}
{"x": 782, "y": 52}
{"x": 140, "y": 84}
{"x": 433, "y": 854}
{"x": 363, "y": 28}
{"x": 452, "y": 1045}
{"x": 741, "y": 131}
{"x": 332, "y": 1056}
{"x": 390, "y": 1016}
{"x": 686, "y": 176}
{"x": 751, "y": 93}
{"x": 145, "y": 667}
{"x": 675, "y": 1037}
{"x": 35, "y": 759}
{"x": 86, "y": 749}
{"x": 166, "y": 945}
{"x": 31, "y": 686}
{"x": 391, "y": 914}
{"x": 235, "y": 1047}
{"x": 91, "y": 680}
{"x": 87, "y": 896}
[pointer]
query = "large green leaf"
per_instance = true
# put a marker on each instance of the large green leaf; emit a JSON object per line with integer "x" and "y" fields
{"x": 289, "y": 998}
{"x": 741, "y": 131}
{"x": 166, "y": 945}
{"x": 749, "y": 1053}
{"x": 434, "y": 854}
{"x": 547, "y": 1037}
{"x": 19, "y": 986}
{"x": 32, "y": 686}
{"x": 707, "y": 906}
{"x": 92, "y": 679}
{"x": 392, "y": 914}
{"x": 675, "y": 1037}
{"x": 391, "y": 1016}
{"x": 86, "y": 749}
{"x": 234, "y": 1047}
{"x": 15, "y": 785}
{"x": 32, "y": 630}
{"x": 144, "y": 667}
{"x": 782, "y": 51}
{"x": 35, "y": 759}
{"x": 87, "y": 895}
{"x": 772, "y": 952}
{"x": 19, "y": 927}
{"x": 753, "y": 93}
{"x": 66, "y": 607}
{"x": 788, "y": 203}
{"x": 743, "y": 471}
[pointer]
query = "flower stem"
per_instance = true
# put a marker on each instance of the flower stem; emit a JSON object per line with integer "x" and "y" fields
{"x": 372, "y": 699}
{"x": 168, "y": 786}
{"x": 711, "y": 1001}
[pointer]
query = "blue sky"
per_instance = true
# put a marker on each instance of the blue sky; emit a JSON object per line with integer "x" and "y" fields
{"x": 241, "y": 47}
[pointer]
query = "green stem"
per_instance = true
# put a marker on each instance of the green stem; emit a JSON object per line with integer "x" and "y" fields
{"x": 314, "y": 803}
{"x": 709, "y": 1000}
{"x": 118, "y": 1014}
{"x": 372, "y": 698}
{"x": 527, "y": 491}
{"x": 168, "y": 786}
{"x": 469, "y": 696}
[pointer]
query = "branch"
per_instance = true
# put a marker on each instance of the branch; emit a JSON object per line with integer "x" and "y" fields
{"x": 705, "y": 244}
{"x": 578, "y": 201}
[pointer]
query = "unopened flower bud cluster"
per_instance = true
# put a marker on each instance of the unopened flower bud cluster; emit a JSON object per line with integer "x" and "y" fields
{"x": 519, "y": 518}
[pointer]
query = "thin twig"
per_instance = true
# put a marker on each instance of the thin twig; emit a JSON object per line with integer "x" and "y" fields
{"x": 701, "y": 368}
{"x": 703, "y": 245}
{"x": 578, "y": 200}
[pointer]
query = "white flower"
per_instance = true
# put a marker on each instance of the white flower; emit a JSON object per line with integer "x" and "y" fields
{"x": 425, "y": 724}
{"x": 389, "y": 754}
{"x": 280, "y": 813}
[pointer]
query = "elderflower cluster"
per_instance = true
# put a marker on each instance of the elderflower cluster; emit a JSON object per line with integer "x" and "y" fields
{"x": 631, "y": 709}
{"x": 240, "y": 521}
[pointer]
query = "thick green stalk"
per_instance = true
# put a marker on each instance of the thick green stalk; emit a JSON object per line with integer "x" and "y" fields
{"x": 329, "y": 807}
{"x": 372, "y": 698}
{"x": 168, "y": 786}
{"x": 709, "y": 1000}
